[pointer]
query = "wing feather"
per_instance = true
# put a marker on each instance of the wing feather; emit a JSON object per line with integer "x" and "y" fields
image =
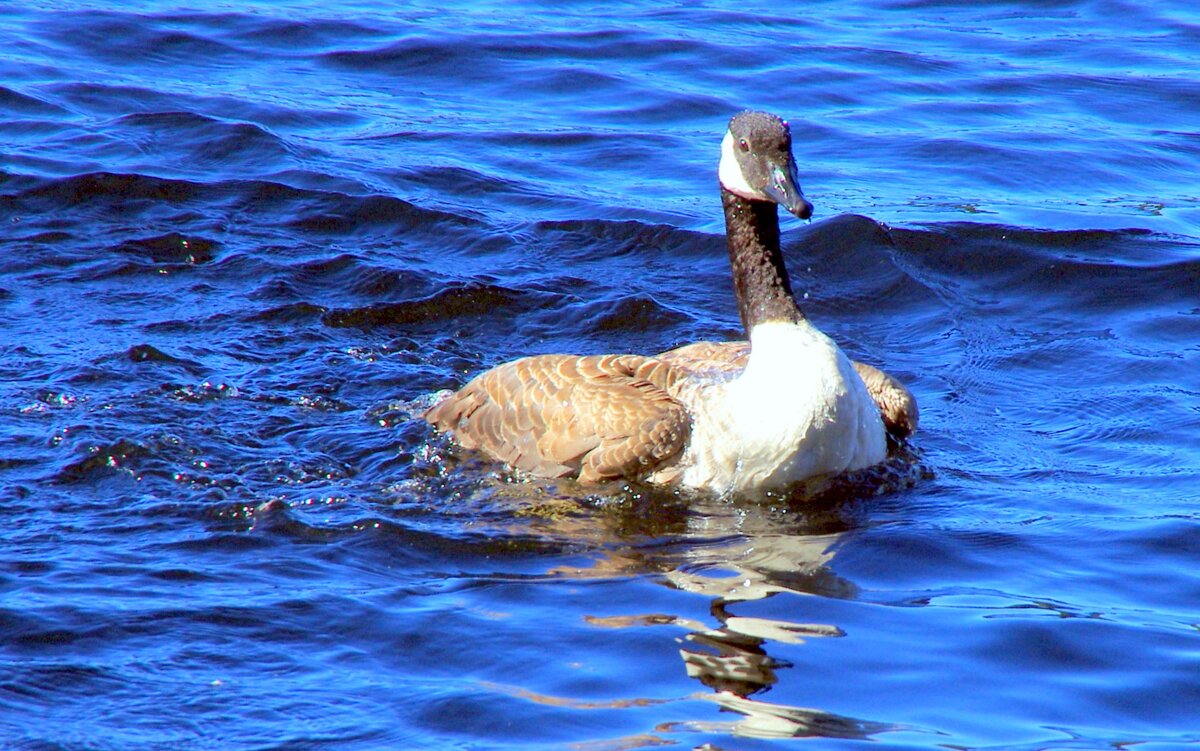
{"x": 896, "y": 403}
{"x": 597, "y": 418}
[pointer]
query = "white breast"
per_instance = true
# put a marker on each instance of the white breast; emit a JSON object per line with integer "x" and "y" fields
{"x": 798, "y": 411}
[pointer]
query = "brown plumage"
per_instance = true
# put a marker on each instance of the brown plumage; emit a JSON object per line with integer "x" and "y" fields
{"x": 608, "y": 417}
{"x": 597, "y": 418}
{"x": 897, "y": 405}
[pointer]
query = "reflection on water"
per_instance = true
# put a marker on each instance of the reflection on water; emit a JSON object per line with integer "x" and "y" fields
{"x": 729, "y": 550}
{"x": 765, "y": 720}
{"x": 748, "y": 553}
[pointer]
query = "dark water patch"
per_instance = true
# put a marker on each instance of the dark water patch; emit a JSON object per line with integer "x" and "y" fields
{"x": 14, "y": 101}
{"x": 128, "y": 38}
{"x": 394, "y": 534}
{"x": 288, "y": 35}
{"x": 291, "y": 313}
{"x": 921, "y": 66}
{"x": 565, "y": 141}
{"x": 170, "y": 203}
{"x": 101, "y": 190}
{"x": 1010, "y": 167}
{"x": 1064, "y": 654}
{"x": 201, "y": 141}
{"x": 148, "y": 353}
{"x": 417, "y": 57}
{"x": 174, "y": 127}
{"x": 698, "y": 105}
{"x": 342, "y": 269}
{"x": 475, "y": 57}
{"x": 1173, "y": 98}
{"x": 566, "y": 82}
{"x": 1172, "y": 537}
{"x": 601, "y": 44}
{"x": 628, "y": 238}
{"x": 460, "y": 301}
{"x": 682, "y": 274}
{"x": 852, "y": 267}
{"x": 102, "y": 460}
{"x": 372, "y": 282}
{"x": 114, "y": 100}
{"x": 351, "y": 214}
{"x": 181, "y": 575}
{"x": 446, "y": 180}
{"x": 1061, "y": 270}
{"x": 34, "y": 683}
{"x": 626, "y": 313}
{"x": 925, "y": 556}
{"x": 310, "y": 286}
{"x": 172, "y": 248}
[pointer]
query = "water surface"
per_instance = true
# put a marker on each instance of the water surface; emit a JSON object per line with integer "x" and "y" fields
{"x": 238, "y": 242}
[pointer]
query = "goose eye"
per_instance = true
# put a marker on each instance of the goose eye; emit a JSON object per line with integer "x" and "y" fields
{"x": 743, "y": 145}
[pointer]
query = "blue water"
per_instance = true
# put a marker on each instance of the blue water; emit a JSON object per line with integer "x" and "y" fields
{"x": 237, "y": 241}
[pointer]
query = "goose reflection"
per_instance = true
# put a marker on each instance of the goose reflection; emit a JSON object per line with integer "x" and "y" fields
{"x": 734, "y": 552}
{"x": 731, "y": 550}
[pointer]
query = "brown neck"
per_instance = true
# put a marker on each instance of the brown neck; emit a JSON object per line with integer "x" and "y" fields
{"x": 760, "y": 280}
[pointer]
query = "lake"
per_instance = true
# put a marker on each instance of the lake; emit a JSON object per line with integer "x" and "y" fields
{"x": 242, "y": 244}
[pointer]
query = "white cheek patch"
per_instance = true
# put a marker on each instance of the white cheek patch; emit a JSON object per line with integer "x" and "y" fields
{"x": 730, "y": 173}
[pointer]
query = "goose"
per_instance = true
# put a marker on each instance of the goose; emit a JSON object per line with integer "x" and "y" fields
{"x": 783, "y": 407}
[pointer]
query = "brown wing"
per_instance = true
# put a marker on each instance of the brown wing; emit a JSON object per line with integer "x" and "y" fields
{"x": 596, "y": 418}
{"x": 896, "y": 404}
{"x": 709, "y": 357}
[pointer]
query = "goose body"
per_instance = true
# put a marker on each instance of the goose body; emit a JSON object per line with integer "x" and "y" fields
{"x": 897, "y": 407}
{"x": 795, "y": 411}
{"x": 783, "y": 407}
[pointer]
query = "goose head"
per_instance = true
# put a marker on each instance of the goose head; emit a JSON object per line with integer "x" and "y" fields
{"x": 757, "y": 162}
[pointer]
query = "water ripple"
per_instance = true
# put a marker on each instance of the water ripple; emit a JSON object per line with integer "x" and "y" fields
{"x": 243, "y": 249}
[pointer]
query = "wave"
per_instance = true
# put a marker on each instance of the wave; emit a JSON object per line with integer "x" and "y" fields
{"x": 455, "y": 301}
{"x": 35, "y": 198}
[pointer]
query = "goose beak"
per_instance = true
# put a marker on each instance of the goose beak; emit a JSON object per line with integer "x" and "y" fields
{"x": 783, "y": 188}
